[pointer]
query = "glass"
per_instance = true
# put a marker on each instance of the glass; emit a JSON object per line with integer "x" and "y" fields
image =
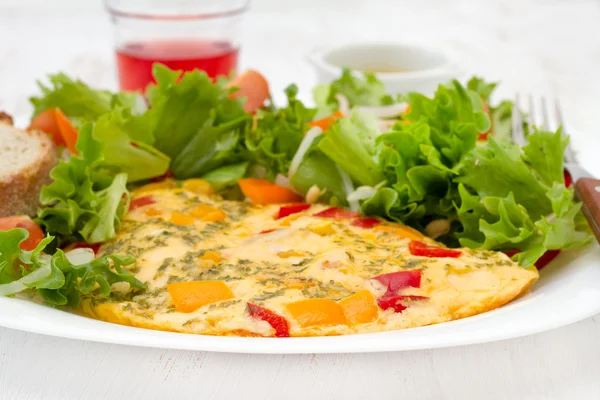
{"x": 181, "y": 34}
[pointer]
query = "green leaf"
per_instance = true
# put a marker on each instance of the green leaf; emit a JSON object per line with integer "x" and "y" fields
{"x": 317, "y": 169}
{"x": 125, "y": 147}
{"x": 79, "y": 101}
{"x": 57, "y": 280}
{"x": 275, "y": 135}
{"x": 183, "y": 107}
{"x": 542, "y": 152}
{"x": 351, "y": 144}
{"x": 226, "y": 176}
{"x": 84, "y": 201}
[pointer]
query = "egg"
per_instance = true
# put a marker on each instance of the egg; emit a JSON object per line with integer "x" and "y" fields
{"x": 219, "y": 267}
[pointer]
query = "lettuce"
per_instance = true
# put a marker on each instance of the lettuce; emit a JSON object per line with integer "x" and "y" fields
{"x": 79, "y": 101}
{"x": 351, "y": 144}
{"x": 273, "y": 137}
{"x": 512, "y": 198}
{"x": 57, "y": 280}
{"x": 368, "y": 91}
{"x": 194, "y": 121}
{"x": 84, "y": 201}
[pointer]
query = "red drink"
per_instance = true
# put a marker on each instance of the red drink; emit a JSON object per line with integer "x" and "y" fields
{"x": 134, "y": 60}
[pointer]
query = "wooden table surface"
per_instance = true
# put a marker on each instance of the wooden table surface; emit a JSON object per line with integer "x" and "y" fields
{"x": 540, "y": 47}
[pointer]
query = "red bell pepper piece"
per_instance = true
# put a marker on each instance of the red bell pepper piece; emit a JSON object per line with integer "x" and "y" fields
{"x": 140, "y": 202}
{"x": 544, "y": 260}
{"x": 418, "y": 248}
{"x": 366, "y": 222}
{"x": 276, "y": 321}
{"x": 266, "y": 231}
{"x": 395, "y": 301}
{"x": 337, "y": 213}
{"x": 395, "y": 281}
{"x": 568, "y": 179}
{"x": 284, "y": 211}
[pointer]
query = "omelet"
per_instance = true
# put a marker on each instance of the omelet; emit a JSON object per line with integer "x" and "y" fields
{"x": 217, "y": 267}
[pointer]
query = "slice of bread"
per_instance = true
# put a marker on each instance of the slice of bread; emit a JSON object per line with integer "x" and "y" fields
{"x": 26, "y": 159}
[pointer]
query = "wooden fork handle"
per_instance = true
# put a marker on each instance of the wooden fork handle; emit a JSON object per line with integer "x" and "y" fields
{"x": 587, "y": 191}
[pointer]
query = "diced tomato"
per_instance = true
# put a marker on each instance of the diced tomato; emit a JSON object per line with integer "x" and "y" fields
{"x": 544, "y": 260}
{"x": 366, "y": 222}
{"x": 266, "y": 231}
{"x": 140, "y": 202}
{"x": 22, "y": 221}
{"x": 395, "y": 302}
{"x": 418, "y": 248}
{"x": 337, "y": 213}
{"x": 568, "y": 179}
{"x": 95, "y": 246}
{"x": 278, "y": 323}
{"x": 284, "y": 211}
{"x": 395, "y": 281}
{"x": 166, "y": 175}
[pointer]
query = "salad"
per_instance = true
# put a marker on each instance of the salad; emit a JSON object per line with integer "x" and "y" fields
{"x": 444, "y": 165}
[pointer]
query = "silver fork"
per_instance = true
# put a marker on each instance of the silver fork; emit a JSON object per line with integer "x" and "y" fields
{"x": 587, "y": 188}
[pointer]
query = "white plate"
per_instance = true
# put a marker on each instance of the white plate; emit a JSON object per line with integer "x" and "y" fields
{"x": 568, "y": 291}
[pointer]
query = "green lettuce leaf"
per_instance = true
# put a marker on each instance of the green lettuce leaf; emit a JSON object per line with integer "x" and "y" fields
{"x": 79, "y": 101}
{"x": 226, "y": 176}
{"x": 84, "y": 201}
{"x": 125, "y": 147}
{"x": 351, "y": 144}
{"x": 272, "y": 139}
{"x": 513, "y": 199}
{"x": 56, "y": 279}
{"x": 368, "y": 91}
{"x": 184, "y": 109}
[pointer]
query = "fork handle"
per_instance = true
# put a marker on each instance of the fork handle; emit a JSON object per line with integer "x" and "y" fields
{"x": 587, "y": 191}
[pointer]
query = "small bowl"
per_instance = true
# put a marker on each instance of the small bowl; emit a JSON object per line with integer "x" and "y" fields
{"x": 402, "y": 68}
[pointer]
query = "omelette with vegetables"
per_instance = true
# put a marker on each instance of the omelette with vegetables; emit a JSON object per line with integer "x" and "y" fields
{"x": 205, "y": 208}
{"x": 234, "y": 268}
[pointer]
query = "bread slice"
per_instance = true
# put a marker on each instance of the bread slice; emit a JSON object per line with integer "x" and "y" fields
{"x": 26, "y": 159}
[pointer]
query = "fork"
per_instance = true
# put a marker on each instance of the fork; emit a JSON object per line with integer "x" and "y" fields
{"x": 587, "y": 188}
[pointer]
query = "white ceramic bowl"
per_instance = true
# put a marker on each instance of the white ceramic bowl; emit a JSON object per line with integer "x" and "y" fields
{"x": 411, "y": 68}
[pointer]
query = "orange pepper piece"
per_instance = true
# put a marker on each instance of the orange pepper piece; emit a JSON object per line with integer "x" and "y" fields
{"x": 404, "y": 232}
{"x": 360, "y": 307}
{"x": 190, "y": 296}
{"x": 198, "y": 186}
{"x": 67, "y": 130}
{"x": 312, "y": 312}
{"x": 213, "y": 256}
{"x": 261, "y": 191}
{"x": 326, "y": 122}
{"x": 152, "y": 212}
{"x": 181, "y": 219}
{"x": 208, "y": 213}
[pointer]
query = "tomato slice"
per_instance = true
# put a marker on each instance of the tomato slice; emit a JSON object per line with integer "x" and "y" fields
{"x": 278, "y": 323}
{"x": 418, "y": 248}
{"x": 284, "y": 211}
{"x": 337, "y": 213}
{"x": 366, "y": 222}
{"x": 395, "y": 281}
{"x": 396, "y": 302}
{"x": 140, "y": 202}
{"x": 21, "y": 221}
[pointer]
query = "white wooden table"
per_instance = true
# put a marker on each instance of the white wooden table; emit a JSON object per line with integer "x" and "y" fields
{"x": 532, "y": 46}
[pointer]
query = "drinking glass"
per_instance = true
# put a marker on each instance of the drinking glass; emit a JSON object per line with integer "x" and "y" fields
{"x": 181, "y": 34}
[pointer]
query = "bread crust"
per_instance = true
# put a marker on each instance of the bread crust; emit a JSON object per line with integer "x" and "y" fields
{"x": 20, "y": 192}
